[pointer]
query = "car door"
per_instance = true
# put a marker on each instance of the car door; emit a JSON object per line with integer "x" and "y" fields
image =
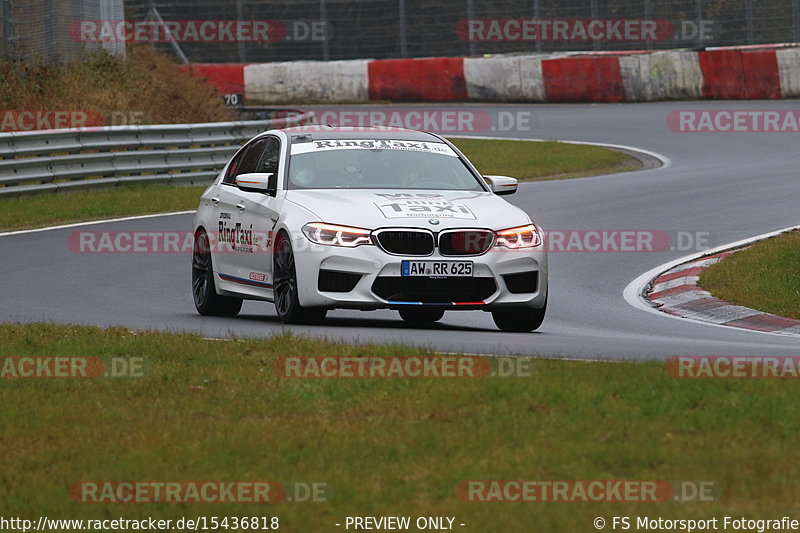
{"x": 222, "y": 199}
{"x": 245, "y": 223}
{"x": 260, "y": 215}
{"x": 232, "y": 232}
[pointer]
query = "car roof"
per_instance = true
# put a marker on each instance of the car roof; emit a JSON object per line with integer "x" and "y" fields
{"x": 314, "y": 133}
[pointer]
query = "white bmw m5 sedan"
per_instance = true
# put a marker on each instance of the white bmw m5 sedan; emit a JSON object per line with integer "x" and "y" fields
{"x": 317, "y": 218}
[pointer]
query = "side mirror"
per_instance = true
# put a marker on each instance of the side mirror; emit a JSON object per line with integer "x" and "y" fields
{"x": 258, "y": 182}
{"x": 502, "y": 185}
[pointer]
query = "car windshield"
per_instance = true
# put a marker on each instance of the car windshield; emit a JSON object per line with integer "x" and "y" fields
{"x": 378, "y": 164}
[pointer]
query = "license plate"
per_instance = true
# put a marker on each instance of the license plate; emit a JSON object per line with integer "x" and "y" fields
{"x": 437, "y": 269}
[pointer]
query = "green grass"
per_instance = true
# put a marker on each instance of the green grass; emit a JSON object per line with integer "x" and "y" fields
{"x": 535, "y": 161}
{"x": 764, "y": 276}
{"x": 63, "y": 208}
{"x": 525, "y": 160}
{"x": 210, "y": 410}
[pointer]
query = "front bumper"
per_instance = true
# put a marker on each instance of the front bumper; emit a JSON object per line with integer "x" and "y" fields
{"x": 366, "y": 277}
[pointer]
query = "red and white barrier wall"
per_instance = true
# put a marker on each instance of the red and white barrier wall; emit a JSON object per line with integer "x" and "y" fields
{"x": 307, "y": 81}
{"x": 227, "y": 78}
{"x": 724, "y": 73}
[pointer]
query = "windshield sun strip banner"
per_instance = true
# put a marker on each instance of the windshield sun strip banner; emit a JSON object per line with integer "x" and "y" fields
{"x": 372, "y": 144}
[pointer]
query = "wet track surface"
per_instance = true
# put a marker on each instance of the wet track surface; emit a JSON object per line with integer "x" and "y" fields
{"x": 727, "y": 186}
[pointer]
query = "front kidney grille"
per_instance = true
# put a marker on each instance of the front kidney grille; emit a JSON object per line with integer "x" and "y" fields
{"x": 465, "y": 242}
{"x": 405, "y": 242}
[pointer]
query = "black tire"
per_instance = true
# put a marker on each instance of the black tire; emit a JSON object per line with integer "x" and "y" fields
{"x": 519, "y": 319}
{"x": 421, "y": 317}
{"x": 206, "y": 300}
{"x": 285, "y": 289}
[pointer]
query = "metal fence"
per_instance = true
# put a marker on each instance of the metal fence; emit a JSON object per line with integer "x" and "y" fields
{"x": 90, "y": 158}
{"x": 45, "y": 29}
{"x": 348, "y": 29}
{"x": 225, "y": 31}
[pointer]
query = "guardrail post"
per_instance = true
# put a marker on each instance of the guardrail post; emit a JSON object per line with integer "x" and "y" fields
{"x": 698, "y": 8}
{"x": 471, "y": 15}
{"x": 401, "y": 6}
{"x": 796, "y": 20}
{"x": 326, "y": 46}
{"x": 240, "y": 18}
{"x": 595, "y": 16}
{"x": 9, "y": 37}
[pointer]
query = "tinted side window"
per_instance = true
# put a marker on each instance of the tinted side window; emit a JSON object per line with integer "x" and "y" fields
{"x": 230, "y": 174}
{"x": 272, "y": 154}
{"x": 251, "y": 157}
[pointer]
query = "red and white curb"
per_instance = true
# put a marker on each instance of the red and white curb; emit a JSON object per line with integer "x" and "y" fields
{"x": 726, "y": 73}
{"x": 676, "y": 292}
{"x": 636, "y": 290}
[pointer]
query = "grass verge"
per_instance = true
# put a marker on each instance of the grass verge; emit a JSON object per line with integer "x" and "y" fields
{"x": 53, "y": 209}
{"x": 530, "y": 160}
{"x": 208, "y": 410}
{"x": 764, "y": 276}
{"x": 536, "y": 161}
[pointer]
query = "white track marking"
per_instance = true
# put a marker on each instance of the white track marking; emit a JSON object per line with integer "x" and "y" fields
{"x": 93, "y": 222}
{"x": 665, "y": 161}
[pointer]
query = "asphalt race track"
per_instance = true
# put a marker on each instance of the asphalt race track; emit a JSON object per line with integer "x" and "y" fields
{"x": 728, "y": 185}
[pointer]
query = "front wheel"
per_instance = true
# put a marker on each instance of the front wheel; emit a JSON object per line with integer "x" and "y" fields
{"x": 421, "y": 317}
{"x": 206, "y": 300}
{"x": 519, "y": 319}
{"x": 285, "y": 289}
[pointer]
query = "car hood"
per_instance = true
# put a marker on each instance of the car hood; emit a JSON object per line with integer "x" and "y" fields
{"x": 378, "y": 208}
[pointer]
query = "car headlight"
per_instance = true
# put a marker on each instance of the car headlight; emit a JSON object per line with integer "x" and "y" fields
{"x": 520, "y": 237}
{"x": 333, "y": 235}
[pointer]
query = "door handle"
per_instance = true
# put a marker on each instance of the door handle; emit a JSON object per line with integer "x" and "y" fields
{"x": 240, "y": 206}
{"x": 215, "y": 200}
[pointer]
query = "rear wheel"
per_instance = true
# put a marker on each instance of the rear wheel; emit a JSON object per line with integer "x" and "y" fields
{"x": 206, "y": 300}
{"x": 421, "y": 317}
{"x": 519, "y": 319}
{"x": 285, "y": 289}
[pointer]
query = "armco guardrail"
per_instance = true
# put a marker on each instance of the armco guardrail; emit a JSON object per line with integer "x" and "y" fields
{"x": 84, "y": 158}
